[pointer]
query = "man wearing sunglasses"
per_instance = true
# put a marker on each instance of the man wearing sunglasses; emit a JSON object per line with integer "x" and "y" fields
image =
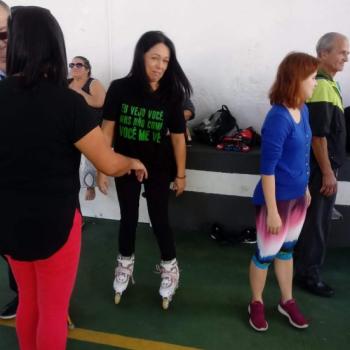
{"x": 8, "y": 311}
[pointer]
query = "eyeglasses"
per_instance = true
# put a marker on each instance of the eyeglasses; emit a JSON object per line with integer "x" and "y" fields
{"x": 77, "y": 65}
{"x": 3, "y": 35}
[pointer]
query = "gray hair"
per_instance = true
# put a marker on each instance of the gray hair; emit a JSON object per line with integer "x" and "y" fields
{"x": 4, "y": 6}
{"x": 326, "y": 42}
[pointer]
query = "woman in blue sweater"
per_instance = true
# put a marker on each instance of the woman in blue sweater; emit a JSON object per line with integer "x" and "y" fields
{"x": 281, "y": 196}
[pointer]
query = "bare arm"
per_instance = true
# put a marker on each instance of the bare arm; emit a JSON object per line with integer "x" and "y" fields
{"x": 97, "y": 94}
{"x": 108, "y": 127}
{"x": 108, "y": 133}
{"x": 188, "y": 114}
{"x": 179, "y": 146}
{"x": 93, "y": 145}
{"x": 320, "y": 150}
{"x": 274, "y": 222}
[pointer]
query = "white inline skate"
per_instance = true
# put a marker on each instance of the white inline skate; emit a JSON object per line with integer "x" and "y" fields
{"x": 170, "y": 274}
{"x": 123, "y": 273}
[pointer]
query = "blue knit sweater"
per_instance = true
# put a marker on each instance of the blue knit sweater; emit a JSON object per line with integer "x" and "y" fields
{"x": 285, "y": 153}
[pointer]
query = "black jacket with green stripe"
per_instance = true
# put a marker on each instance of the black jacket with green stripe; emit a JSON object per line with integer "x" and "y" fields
{"x": 327, "y": 117}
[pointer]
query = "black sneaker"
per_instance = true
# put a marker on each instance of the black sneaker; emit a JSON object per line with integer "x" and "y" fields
{"x": 316, "y": 287}
{"x": 249, "y": 235}
{"x": 216, "y": 232}
{"x": 9, "y": 311}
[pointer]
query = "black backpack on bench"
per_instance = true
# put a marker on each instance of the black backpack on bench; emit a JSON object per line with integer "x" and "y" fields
{"x": 212, "y": 130}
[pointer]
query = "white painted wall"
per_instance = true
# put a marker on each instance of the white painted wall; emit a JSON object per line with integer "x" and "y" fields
{"x": 229, "y": 49}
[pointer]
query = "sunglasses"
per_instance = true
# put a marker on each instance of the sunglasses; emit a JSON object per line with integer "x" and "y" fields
{"x": 3, "y": 35}
{"x": 77, "y": 65}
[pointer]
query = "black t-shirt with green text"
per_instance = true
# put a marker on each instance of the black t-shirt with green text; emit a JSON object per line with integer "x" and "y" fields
{"x": 143, "y": 122}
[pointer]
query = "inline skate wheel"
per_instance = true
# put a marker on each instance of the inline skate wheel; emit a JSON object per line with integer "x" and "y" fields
{"x": 117, "y": 298}
{"x": 71, "y": 325}
{"x": 165, "y": 303}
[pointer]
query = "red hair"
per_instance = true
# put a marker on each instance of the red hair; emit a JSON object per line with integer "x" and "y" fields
{"x": 294, "y": 68}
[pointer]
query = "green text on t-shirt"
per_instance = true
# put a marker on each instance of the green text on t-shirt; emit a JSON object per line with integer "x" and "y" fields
{"x": 140, "y": 124}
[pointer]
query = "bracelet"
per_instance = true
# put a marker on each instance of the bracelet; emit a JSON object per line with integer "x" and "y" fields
{"x": 181, "y": 177}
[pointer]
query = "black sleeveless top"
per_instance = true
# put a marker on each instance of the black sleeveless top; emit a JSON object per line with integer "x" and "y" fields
{"x": 86, "y": 88}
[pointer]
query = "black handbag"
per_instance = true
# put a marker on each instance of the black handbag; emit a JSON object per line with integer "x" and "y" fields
{"x": 212, "y": 130}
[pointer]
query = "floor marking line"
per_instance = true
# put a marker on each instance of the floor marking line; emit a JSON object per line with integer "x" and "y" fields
{"x": 115, "y": 340}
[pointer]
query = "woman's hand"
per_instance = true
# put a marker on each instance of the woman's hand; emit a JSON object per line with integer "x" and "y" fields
{"x": 102, "y": 182}
{"x": 329, "y": 184}
{"x": 179, "y": 185}
{"x": 307, "y": 197}
{"x": 140, "y": 170}
{"x": 273, "y": 223}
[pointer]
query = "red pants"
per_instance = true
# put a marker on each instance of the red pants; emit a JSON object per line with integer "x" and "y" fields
{"x": 45, "y": 287}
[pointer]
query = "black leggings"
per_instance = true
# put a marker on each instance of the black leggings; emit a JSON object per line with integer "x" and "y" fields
{"x": 157, "y": 196}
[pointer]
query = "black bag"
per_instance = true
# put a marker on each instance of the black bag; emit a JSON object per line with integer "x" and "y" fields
{"x": 212, "y": 130}
{"x": 218, "y": 233}
{"x": 240, "y": 141}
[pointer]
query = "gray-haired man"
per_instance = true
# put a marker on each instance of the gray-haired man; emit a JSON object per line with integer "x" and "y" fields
{"x": 328, "y": 154}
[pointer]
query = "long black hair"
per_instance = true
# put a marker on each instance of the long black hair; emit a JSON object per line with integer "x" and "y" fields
{"x": 36, "y": 47}
{"x": 174, "y": 84}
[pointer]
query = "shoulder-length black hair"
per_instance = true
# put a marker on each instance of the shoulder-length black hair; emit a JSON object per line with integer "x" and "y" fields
{"x": 174, "y": 84}
{"x": 36, "y": 47}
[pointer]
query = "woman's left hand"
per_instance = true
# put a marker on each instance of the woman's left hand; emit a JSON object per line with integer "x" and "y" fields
{"x": 102, "y": 182}
{"x": 179, "y": 186}
{"x": 141, "y": 174}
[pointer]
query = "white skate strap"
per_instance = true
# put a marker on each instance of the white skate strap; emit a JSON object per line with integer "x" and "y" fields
{"x": 168, "y": 274}
{"x": 125, "y": 271}
{"x": 164, "y": 274}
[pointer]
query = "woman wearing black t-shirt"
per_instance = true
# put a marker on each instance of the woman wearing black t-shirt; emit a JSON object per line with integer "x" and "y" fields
{"x": 143, "y": 118}
{"x": 47, "y": 127}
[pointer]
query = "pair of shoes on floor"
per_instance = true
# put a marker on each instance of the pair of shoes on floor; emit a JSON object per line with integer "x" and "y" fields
{"x": 9, "y": 311}
{"x": 314, "y": 286}
{"x": 289, "y": 309}
{"x": 249, "y": 234}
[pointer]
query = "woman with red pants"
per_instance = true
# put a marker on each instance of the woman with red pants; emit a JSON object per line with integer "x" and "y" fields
{"x": 45, "y": 128}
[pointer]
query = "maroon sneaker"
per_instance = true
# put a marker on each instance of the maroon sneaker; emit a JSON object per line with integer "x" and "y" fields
{"x": 257, "y": 316}
{"x": 295, "y": 317}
